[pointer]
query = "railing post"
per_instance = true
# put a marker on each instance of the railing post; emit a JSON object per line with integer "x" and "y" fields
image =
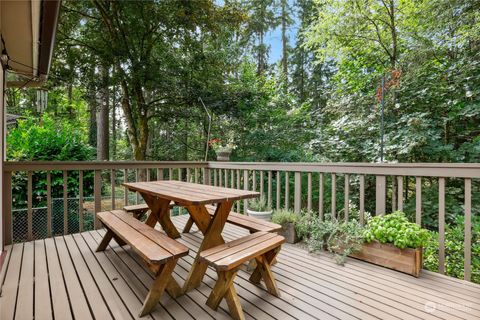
{"x": 441, "y": 225}
{"x": 7, "y": 207}
{"x": 80, "y": 200}
{"x": 65, "y": 202}
{"x": 334, "y": 195}
{"x": 418, "y": 200}
{"x": 298, "y": 192}
{"x": 380, "y": 194}
{"x": 468, "y": 230}
{"x": 97, "y": 195}
{"x": 29, "y": 206}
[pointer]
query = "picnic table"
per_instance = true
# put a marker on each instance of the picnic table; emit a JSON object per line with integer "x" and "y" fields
{"x": 194, "y": 197}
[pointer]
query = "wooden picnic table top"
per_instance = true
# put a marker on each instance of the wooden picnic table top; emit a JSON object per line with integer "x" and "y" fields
{"x": 186, "y": 193}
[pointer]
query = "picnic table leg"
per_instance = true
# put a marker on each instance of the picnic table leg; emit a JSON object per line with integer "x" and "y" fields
{"x": 188, "y": 225}
{"x": 212, "y": 237}
{"x": 264, "y": 271}
{"x": 160, "y": 283}
{"x": 160, "y": 212}
{"x": 224, "y": 289}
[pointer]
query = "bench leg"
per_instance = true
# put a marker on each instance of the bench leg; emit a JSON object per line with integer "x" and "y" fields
{"x": 161, "y": 282}
{"x": 188, "y": 225}
{"x": 105, "y": 241}
{"x": 264, "y": 271}
{"x": 224, "y": 289}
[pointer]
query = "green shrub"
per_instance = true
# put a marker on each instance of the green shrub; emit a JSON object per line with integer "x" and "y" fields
{"x": 396, "y": 229}
{"x": 454, "y": 250}
{"x": 339, "y": 237}
{"x": 259, "y": 205}
{"x": 284, "y": 216}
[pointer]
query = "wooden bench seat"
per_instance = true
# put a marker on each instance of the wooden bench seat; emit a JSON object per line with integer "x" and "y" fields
{"x": 226, "y": 258}
{"x": 241, "y": 220}
{"x": 159, "y": 252}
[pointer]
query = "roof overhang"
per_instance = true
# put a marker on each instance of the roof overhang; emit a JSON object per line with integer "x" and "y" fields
{"x": 28, "y": 29}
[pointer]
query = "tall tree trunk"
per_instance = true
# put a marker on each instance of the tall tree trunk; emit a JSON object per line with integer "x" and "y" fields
{"x": 102, "y": 118}
{"x": 284, "y": 43}
{"x": 92, "y": 132}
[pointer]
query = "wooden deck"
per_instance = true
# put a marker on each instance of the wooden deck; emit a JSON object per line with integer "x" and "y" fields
{"x": 63, "y": 278}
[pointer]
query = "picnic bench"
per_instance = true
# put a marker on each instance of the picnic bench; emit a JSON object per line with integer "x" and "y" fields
{"x": 225, "y": 258}
{"x": 240, "y": 220}
{"x": 194, "y": 197}
{"x": 159, "y": 252}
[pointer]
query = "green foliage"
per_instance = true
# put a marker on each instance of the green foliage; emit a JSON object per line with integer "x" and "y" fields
{"x": 259, "y": 205}
{"x": 339, "y": 237}
{"x": 396, "y": 229}
{"x": 454, "y": 250}
{"x": 284, "y": 216}
{"x": 47, "y": 139}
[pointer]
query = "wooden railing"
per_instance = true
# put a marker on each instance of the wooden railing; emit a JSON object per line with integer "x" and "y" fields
{"x": 314, "y": 187}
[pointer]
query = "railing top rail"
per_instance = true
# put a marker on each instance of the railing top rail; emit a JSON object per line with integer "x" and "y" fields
{"x": 458, "y": 170}
{"x": 447, "y": 170}
{"x": 97, "y": 165}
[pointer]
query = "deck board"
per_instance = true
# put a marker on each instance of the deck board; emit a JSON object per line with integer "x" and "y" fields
{"x": 64, "y": 278}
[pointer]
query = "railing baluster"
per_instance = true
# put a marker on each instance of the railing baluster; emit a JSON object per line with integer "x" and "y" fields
{"x": 160, "y": 174}
{"x": 65, "y": 203}
{"x": 287, "y": 190}
{"x": 254, "y": 180}
{"x": 125, "y": 190}
{"x": 97, "y": 195}
{"x": 215, "y": 177}
{"x": 226, "y": 177}
{"x": 362, "y": 199}
{"x": 262, "y": 184}
{"x": 232, "y": 179}
{"x": 80, "y": 199}
{"x": 418, "y": 201}
{"x": 179, "y": 172}
{"x": 188, "y": 174}
{"x": 112, "y": 183}
{"x": 269, "y": 186}
{"x": 137, "y": 179}
{"x": 346, "y": 203}
{"x": 468, "y": 230}
{"x": 238, "y": 187}
{"x": 170, "y": 173}
{"x": 279, "y": 185}
{"x": 441, "y": 225}
{"x": 309, "y": 192}
{"x": 7, "y": 207}
{"x": 195, "y": 179}
{"x": 297, "y": 196}
{"x": 245, "y": 187}
{"x": 49, "y": 204}
{"x": 320, "y": 196}
{"x": 400, "y": 193}
{"x": 334, "y": 195}
{"x": 29, "y": 207}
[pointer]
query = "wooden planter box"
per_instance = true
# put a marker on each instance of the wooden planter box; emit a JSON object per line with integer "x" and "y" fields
{"x": 387, "y": 255}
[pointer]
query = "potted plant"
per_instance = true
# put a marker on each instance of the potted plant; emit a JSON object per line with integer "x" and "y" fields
{"x": 400, "y": 241}
{"x": 287, "y": 219}
{"x": 341, "y": 238}
{"x": 222, "y": 150}
{"x": 259, "y": 208}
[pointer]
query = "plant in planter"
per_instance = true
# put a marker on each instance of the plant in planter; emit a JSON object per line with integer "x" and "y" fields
{"x": 259, "y": 208}
{"x": 401, "y": 240}
{"x": 287, "y": 219}
{"x": 223, "y": 150}
{"x": 342, "y": 238}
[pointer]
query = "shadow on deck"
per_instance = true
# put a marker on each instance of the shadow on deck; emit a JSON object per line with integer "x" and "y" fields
{"x": 63, "y": 278}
